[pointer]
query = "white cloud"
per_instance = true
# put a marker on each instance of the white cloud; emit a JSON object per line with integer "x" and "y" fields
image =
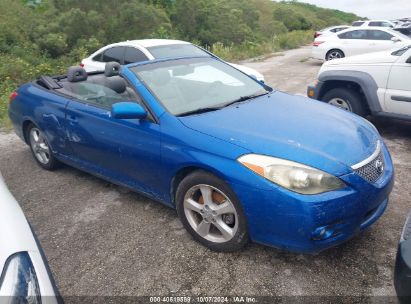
{"x": 375, "y": 9}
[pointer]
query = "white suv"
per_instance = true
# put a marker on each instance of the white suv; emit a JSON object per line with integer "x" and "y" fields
{"x": 150, "y": 49}
{"x": 377, "y": 83}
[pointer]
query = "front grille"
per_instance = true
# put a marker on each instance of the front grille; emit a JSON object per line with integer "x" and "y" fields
{"x": 372, "y": 168}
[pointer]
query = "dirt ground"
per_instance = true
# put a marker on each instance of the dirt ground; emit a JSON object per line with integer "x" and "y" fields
{"x": 102, "y": 239}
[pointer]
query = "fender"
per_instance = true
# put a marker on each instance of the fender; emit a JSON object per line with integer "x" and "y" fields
{"x": 364, "y": 80}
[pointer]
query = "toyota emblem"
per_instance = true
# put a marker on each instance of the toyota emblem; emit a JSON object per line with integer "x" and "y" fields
{"x": 379, "y": 166}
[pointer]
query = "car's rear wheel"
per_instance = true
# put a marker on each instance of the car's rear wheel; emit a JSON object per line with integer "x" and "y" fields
{"x": 334, "y": 54}
{"x": 346, "y": 99}
{"x": 211, "y": 213}
{"x": 40, "y": 148}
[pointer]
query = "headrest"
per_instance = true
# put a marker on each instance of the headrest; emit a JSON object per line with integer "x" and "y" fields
{"x": 117, "y": 84}
{"x": 112, "y": 69}
{"x": 76, "y": 73}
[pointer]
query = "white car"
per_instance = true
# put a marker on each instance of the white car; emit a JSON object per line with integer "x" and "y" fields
{"x": 376, "y": 84}
{"x": 356, "y": 41}
{"x": 377, "y": 23}
{"x": 150, "y": 49}
{"x": 330, "y": 30}
{"x": 25, "y": 276}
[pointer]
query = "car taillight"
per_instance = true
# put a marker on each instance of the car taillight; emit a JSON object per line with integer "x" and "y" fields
{"x": 317, "y": 34}
{"x": 13, "y": 96}
{"x": 317, "y": 43}
{"x": 82, "y": 65}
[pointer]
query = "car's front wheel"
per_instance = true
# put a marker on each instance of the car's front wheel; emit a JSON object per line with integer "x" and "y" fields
{"x": 40, "y": 148}
{"x": 211, "y": 213}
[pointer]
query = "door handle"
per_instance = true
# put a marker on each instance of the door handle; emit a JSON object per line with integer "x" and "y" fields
{"x": 72, "y": 119}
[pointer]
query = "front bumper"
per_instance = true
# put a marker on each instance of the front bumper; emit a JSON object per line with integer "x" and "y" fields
{"x": 402, "y": 273}
{"x": 295, "y": 222}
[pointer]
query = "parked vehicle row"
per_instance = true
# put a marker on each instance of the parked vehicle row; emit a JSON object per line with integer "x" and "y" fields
{"x": 355, "y": 41}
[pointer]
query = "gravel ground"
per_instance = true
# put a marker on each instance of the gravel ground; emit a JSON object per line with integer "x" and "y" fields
{"x": 102, "y": 239}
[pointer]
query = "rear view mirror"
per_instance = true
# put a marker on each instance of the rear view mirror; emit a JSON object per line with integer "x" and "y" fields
{"x": 395, "y": 39}
{"x": 128, "y": 110}
{"x": 408, "y": 60}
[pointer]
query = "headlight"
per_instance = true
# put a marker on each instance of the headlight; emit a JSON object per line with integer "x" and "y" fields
{"x": 19, "y": 280}
{"x": 291, "y": 175}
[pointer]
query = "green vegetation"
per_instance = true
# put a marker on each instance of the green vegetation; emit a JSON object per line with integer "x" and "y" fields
{"x": 46, "y": 36}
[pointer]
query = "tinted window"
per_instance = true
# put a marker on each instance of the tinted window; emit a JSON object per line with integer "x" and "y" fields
{"x": 134, "y": 55}
{"x": 386, "y": 24}
{"x": 340, "y": 29}
{"x": 379, "y": 35}
{"x": 375, "y": 23}
{"x": 114, "y": 54}
{"x": 176, "y": 50}
{"x": 358, "y": 23}
{"x": 98, "y": 57}
{"x": 358, "y": 34}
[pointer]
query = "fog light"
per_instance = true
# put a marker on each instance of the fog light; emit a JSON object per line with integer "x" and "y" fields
{"x": 322, "y": 233}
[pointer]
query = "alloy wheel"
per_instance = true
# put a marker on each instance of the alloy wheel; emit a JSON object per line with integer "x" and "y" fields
{"x": 334, "y": 55}
{"x": 39, "y": 146}
{"x": 210, "y": 213}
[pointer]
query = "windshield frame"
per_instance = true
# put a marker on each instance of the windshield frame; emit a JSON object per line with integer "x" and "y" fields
{"x": 131, "y": 66}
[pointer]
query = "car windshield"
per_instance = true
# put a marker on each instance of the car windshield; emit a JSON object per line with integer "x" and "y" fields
{"x": 193, "y": 85}
{"x": 176, "y": 50}
{"x": 401, "y": 51}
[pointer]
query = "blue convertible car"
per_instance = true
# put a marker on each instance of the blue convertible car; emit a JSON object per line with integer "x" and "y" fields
{"x": 237, "y": 159}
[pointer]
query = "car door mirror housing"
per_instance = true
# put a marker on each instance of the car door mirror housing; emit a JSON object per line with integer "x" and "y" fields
{"x": 395, "y": 39}
{"x": 408, "y": 60}
{"x": 128, "y": 110}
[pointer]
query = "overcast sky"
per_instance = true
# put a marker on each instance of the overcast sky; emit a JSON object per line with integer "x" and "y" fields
{"x": 376, "y": 9}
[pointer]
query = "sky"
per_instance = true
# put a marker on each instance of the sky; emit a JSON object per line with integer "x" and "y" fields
{"x": 373, "y": 9}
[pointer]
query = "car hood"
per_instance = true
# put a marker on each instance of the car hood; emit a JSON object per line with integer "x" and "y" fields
{"x": 294, "y": 128}
{"x": 15, "y": 232}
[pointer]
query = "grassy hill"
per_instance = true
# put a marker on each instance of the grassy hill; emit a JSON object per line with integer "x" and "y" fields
{"x": 46, "y": 36}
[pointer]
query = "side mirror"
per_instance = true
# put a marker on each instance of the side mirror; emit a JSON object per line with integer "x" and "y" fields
{"x": 408, "y": 60}
{"x": 128, "y": 110}
{"x": 395, "y": 39}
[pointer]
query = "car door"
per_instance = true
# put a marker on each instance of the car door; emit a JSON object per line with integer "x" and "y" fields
{"x": 398, "y": 93}
{"x": 354, "y": 42}
{"x": 380, "y": 40}
{"x": 124, "y": 150}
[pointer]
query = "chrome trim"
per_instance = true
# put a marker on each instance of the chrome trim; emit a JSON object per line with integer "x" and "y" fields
{"x": 368, "y": 159}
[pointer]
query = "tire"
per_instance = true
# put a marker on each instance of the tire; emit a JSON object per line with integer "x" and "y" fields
{"x": 40, "y": 148}
{"x": 217, "y": 222}
{"x": 346, "y": 99}
{"x": 334, "y": 54}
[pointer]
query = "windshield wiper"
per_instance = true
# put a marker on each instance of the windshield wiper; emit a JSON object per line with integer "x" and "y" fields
{"x": 199, "y": 111}
{"x": 210, "y": 109}
{"x": 244, "y": 98}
